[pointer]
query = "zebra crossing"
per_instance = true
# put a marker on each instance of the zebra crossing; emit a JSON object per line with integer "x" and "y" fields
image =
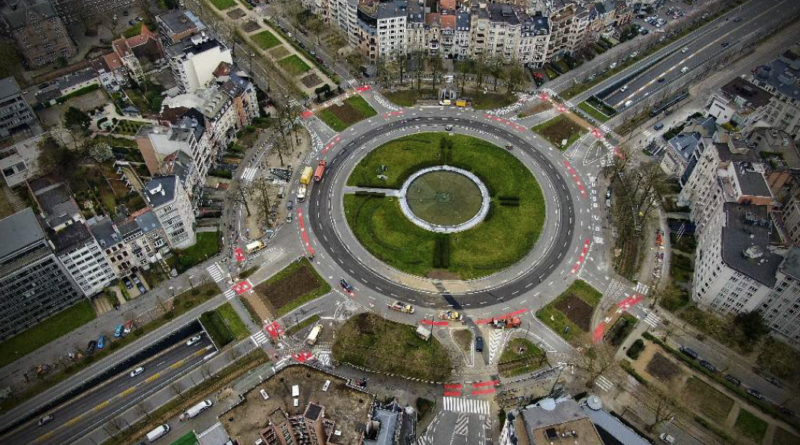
{"x": 216, "y": 272}
{"x": 569, "y": 104}
{"x": 259, "y": 338}
{"x": 604, "y": 384}
{"x": 462, "y": 424}
{"x": 652, "y": 319}
{"x": 324, "y": 359}
{"x": 642, "y": 288}
{"x": 470, "y": 406}
{"x": 495, "y": 340}
{"x": 230, "y": 294}
{"x": 249, "y": 174}
{"x": 604, "y": 128}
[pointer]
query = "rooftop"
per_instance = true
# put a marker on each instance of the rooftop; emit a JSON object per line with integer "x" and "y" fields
{"x": 147, "y": 221}
{"x": 74, "y": 235}
{"x": 179, "y": 21}
{"x": 745, "y": 93}
{"x": 76, "y": 78}
{"x": 750, "y": 180}
{"x": 160, "y": 190}
{"x": 684, "y": 144}
{"x": 779, "y": 77}
{"x": 9, "y": 87}
{"x": 18, "y": 12}
{"x": 791, "y": 263}
{"x": 104, "y": 231}
{"x": 499, "y": 12}
{"x": 745, "y": 242}
{"x": 393, "y": 9}
{"x": 608, "y": 425}
{"x": 19, "y": 231}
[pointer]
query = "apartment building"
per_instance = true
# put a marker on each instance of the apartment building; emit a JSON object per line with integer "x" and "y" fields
{"x": 83, "y": 258}
{"x": 194, "y": 60}
{"x": 781, "y": 309}
{"x": 391, "y": 28}
{"x": 568, "y": 23}
{"x": 159, "y": 146}
{"x": 310, "y": 428}
{"x": 172, "y": 208}
{"x": 790, "y": 215}
{"x": 117, "y": 252}
{"x": 16, "y": 116}
{"x": 132, "y": 51}
{"x": 38, "y": 32}
{"x": 739, "y": 102}
{"x": 780, "y": 78}
{"x": 33, "y": 283}
{"x": 72, "y": 11}
{"x": 144, "y": 237}
{"x": 178, "y": 25}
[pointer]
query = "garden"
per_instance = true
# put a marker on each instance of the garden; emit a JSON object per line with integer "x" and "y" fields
{"x": 294, "y": 65}
{"x": 265, "y": 39}
{"x": 223, "y": 4}
{"x": 519, "y": 357}
{"x": 224, "y": 325}
{"x": 570, "y": 314}
{"x": 597, "y": 109}
{"x": 385, "y": 346}
{"x": 503, "y": 238}
{"x": 207, "y": 246}
{"x": 292, "y": 287}
{"x": 351, "y": 110}
{"x": 559, "y": 129}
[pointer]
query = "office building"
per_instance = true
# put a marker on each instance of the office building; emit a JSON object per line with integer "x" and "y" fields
{"x": 83, "y": 258}
{"x": 16, "y": 115}
{"x": 38, "y": 32}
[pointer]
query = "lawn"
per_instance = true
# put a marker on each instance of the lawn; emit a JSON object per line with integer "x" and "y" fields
{"x": 385, "y": 346}
{"x": 751, "y": 426}
{"x": 292, "y": 287}
{"x": 265, "y": 40}
{"x": 294, "y": 65}
{"x": 352, "y": 110}
{"x": 48, "y": 330}
{"x": 207, "y": 245}
{"x": 128, "y": 127}
{"x": 559, "y": 128}
{"x": 573, "y": 322}
{"x": 223, "y": 325}
{"x": 233, "y": 322}
{"x": 520, "y": 356}
{"x": 594, "y": 112}
{"x": 502, "y": 239}
{"x": 706, "y": 400}
{"x": 406, "y": 98}
{"x": 303, "y": 324}
{"x": 223, "y": 4}
{"x": 784, "y": 437}
{"x": 490, "y": 100}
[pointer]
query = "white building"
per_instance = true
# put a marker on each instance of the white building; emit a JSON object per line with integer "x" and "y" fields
{"x": 170, "y": 203}
{"x": 392, "y": 28}
{"x": 18, "y": 161}
{"x": 781, "y": 309}
{"x": 194, "y": 60}
{"x": 83, "y": 258}
{"x": 780, "y": 78}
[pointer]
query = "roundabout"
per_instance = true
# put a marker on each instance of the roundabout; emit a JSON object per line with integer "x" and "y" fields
{"x": 330, "y": 199}
{"x": 444, "y": 199}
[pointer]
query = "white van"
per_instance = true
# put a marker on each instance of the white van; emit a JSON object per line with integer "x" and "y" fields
{"x": 158, "y": 433}
{"x": 195, "y": 410}
{"x": 295, "y": 390}
{"x": 684, "y": 70}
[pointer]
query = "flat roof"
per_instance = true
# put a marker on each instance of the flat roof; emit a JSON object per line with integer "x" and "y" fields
{"x": 19, "y": 231}
{"x": 746, "y": 241}
{"x": 9, "y": 87}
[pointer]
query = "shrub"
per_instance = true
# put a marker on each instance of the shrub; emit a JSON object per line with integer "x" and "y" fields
{"x": 188, "y": 304}
{"x": 168, "y": 315}
{"x": 635, "y": 349}
{"x": 138, "y": 332}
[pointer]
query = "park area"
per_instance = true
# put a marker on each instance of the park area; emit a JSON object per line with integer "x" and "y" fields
{"x": 224, "y": 325}
{"x": 207, "y": 246}
{"x": 570, "y": 315}
{"x": 385, "y": 346}
{"x": 292, "y": 287}
{"x": 350, "y": 111}
{"x": 223, "y": 4}
{"x": 559, "y": 129}
{"x": 294, "y": 65}
{"x": 503, "y": 238}
{"x": 265, "y": 40}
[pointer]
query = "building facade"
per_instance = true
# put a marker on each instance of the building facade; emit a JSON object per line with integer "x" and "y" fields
{"x": 83, "y": 258}
{"x": 194, "y": 60}
{"x": 15, "y": 113}
{"x": 172, "y": 208}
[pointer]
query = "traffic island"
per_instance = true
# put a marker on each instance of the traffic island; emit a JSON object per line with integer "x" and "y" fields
{"x": 351, "y": 110}
{"x": 570, "y": 314}
{"x": 561, "y": 131}
{"x": 292, "y": 287}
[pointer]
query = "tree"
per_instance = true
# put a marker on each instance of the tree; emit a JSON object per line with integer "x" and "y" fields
{"x": 496, "y": 69}
{"x": 178, "y": 389}
{"x": 76, "y": 120}
{"x": 463, "y": 71}
{"x": 56, "y": 158}
{"x": 239, "y": 195}
{"x": 595, "y": 361}
{"x": 515, "y": 77}
{"x": 665, "y": 408}
{"x": 101, "y": 152}
{"x": 436, "y": 68}
{"x": 752, "y": 325}
{"x": 402, "y": 62}
{"x": 143, "y": 410}
{"x": 419, "y": 67}
{"x": 260, "y": 194}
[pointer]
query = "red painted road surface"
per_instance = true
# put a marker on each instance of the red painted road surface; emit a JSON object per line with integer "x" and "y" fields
{"x": 598, "y": 333}
{"x": 597, "y": 133}
{"x": 363, "y": 88}
{"x": 303, "y": 233}
{"x": 544, "y": 96}
{"x": 561, "y": 108}
{"x": 502, "y": 317}
{"x": 506, "y": 122}
{"x": 303, "y": 356}
{"x": 274, "y": 329}
{"x": 629, "y": 301}
{"x": 242, "y": 287}
{"x": 237, "y": 252}
{"x": 331, "y": 144}
{"x": 453, "y": 386}
{"x": 306, "y": 114}
{"x": 576, "y": 178}
{"x": 433, "y": 323}
{"x": 483, "y": 391}
{"x": 486, "y": 383}
{"x": 582, "y": 257}
{"x": 452, "y": 393}
{"x": 393, "y": 114}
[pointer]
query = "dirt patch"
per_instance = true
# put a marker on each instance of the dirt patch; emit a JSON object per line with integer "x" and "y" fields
{"x": 236, "y": 14}
{"x": 279, "y": 52}
{"x": 663, "y": 368}
{"x": 250, "y": 26}
{"x": 463, "y": 338}
{"x": 311, "y": 80}
{"x": 536, "y": 109}
{"x": 258, "y": 307}
{"x": 295, "y": 282}
{"x": 441, "y": 274}
{"x": 577, "y": 310}
{"x": 346, "y": 113}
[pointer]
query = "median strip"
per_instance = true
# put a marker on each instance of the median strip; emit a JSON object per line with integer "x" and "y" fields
{"x": 101, "y": 406}
{"x": 153, "y": 377}
{"x": 127, "y": 392}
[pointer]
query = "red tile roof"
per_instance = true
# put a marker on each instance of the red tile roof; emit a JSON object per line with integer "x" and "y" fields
{"x": 447, "y": 4}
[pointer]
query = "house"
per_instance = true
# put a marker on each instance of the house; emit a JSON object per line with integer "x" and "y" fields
{"x": 57, "y": 207}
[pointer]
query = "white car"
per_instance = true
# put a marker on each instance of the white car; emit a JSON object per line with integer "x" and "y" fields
{"x": 137, "y": 371}
{"x": 193, "y": 340}
{"x": 685, "y": 49}
{"x": 624, "y": 89}
{"x": 264, "y": 394}
{"x": 666, "y": 438}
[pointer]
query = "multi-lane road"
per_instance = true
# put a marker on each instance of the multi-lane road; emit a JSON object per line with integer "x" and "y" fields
{"x": 90, "y": 410}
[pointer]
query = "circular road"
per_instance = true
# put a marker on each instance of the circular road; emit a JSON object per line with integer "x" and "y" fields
{"x": 320, "y": 223}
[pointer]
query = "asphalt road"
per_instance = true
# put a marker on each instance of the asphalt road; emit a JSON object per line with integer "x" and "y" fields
{"x": 89, "y": 410}
{"x": 320, "y": 222}
{"x": 755, "y": 16}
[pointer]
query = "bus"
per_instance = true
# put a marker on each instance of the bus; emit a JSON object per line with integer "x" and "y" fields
{"x": 254, "y": 247}
{"x": 314, "y": 335}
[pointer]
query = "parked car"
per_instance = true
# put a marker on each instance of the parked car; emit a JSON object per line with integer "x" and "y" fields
{"x": 119, "y": 331}
{"x": 658, "y": 126}
{"x": 785, "y": 411}
{"x": 666, "y": 438}
{"x": 708, "y": 366}
{"x": 774, "y": 381}
{"x": 193, "y": 340}
{"x": 448, "y": 127}
{"x": 755, "y": 393}
{"x": 46, "y": 419}
{"x": 289, "y": 204}
{"x": 345, "y": 285}
{"x": 91, "y": 347}
{"x": 479, "y": 344}
{"x": 127, "y": 283}
{"x": 141, "y": 288}
{"x": 101, "y": 342}
{"x": 136, "y": 279}
{"x": 733, "y": 380}
{"x": 689, "y": 352}
{"x": 737, "y": 19}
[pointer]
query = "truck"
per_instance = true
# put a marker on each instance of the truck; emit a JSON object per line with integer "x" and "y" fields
{"x": 320, "y": 171}
{"x": 506, "y": 323}
{"x": 313, "y": 336}
{"x": 255, "y": 246}
{"x": 158, "y": 432}
{"x": 305, "y": 178}
{"x": 451, "y": 315}
{"x": 301, "y": 193}
{"x": 195, "y": 410}
{"x": 401, "y": 307}
{"x": 461, "y": 103}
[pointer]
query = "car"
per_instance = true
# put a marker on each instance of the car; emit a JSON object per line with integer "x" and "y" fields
{"x": 139, "y": 19}
{"x": 264, "y": 394}
{"x": 125, "y": 13}
{"x": 733, "y": 380}
{"x": 136, "y": 279}
{"x": 101, "y": 342}
{"x": 785, "y": 411}
{"x": 132, "y": 22}
{"x": 737, "y": 19}
{"x": 91, "y": 347}
{"x": 141, "y": 288}
{"x": 479, "y": 344}
{"x": 345, "y": 285}
{"x": 119, "y": 331}
{"x": 685, "y": 50}
{"x": 661, "y": 79}
{"x": 644, "y": 32}
{"x": 658, "y": 126}
{"x": 725, "y": 44}
{"x": 666, "y": 438}
{"x": 289, "y": 204}
{"x": 608, "y": 194}
{"x": 689, "y": 352}
{"x": 708, "y": 366}
{"x": 194, "y": 340}
{"x": 774, "y": 381}
{"x": 624, "y": 89}
{"x": 755, "y": 393}
{"x": 448, "y": 127}
{"x": 612, "y": 66}
{"x": 127, "y": 282}
{"x": 46, "y": 419}
{"x": 137, "y": 371}
{"x": 290, "y": 217}
{"x": 326, "y": 386}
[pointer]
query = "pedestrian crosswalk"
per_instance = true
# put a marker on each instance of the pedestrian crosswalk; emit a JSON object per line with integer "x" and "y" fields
{"x": 604, "y": 384}
{"x": 216, "y": 272}
{"x": 259, "y": 338}
{"x": 324, "y": 359}
{"x": 282, "y": 362}
{"x": 230, "y": 294}
{"x": 605, "y": 128}
{"x": 462, "y": 425}
{"x": 642, "y": 288}
{"x": 471, "y": 406}
{"x": 569, "y": 104}
{"x": 652, "y": 319}
{"x": 249, "y": 174}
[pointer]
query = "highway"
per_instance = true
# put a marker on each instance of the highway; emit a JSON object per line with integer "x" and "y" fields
{"x": 91, "y": 409}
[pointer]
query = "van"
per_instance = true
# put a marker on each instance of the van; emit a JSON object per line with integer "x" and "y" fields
{"x": 159, "y": 432}
{"x": 313, "y": 336}
{"x": 326, "y": 386}
{"x": 195, "y": 410}
{"x": 295, "y": 390}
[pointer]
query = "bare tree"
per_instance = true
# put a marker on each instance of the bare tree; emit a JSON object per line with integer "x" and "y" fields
{"x": 143, "y": 410}
{"x": 436, "y": 68}
{"x": 419, "y": 68}
{"x": 665, "y": 408}
{"x": 595, "y": 361}
{"x": 234, "y": 354}
{"x": 178, "y": 389}
{"x": 239, "y": 195}
{"x": 260, "y": 195}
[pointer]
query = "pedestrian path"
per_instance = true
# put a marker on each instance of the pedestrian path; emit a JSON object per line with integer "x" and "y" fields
{"x": 249, "y": 174}
{"x": 642, "y": 288}
{"x": 652, "y": 319}
{"x": 471, "y": 406}
{"x": 259, "y": 338}
{"x": 216, "y": 272}
{"x": 604, "y": 384}
{"x": 230, "y": 294}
